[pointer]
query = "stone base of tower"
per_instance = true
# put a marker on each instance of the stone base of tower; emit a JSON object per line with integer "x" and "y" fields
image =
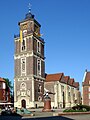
{"x": 29, "y": 104}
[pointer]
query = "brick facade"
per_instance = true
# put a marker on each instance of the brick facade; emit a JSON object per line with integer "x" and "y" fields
{"x": 29, "y": 64}
{"x": 4, "y": 91}
{"x": 86, "y": 88}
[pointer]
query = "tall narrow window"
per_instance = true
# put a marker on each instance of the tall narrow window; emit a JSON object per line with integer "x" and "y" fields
{"x": 23, "y": 66}
{"x": 39, "y": 88}
{"x": 38, "y": 47}
{"x": 23, "y": 44}
{"x": 38, "y": 67}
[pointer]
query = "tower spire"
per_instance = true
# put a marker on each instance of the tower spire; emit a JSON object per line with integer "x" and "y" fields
{"x": 29, "y": 8}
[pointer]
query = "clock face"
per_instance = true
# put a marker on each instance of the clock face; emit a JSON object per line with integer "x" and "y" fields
{"x": 24, "y": 33}
{"x": 23, "y": 27}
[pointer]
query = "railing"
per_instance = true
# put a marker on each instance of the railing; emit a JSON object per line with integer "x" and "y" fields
{"x": 16, "y": 36}
{"x": 29, "y": 32}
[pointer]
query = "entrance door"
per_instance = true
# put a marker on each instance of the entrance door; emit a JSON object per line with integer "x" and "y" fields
{"x": 23, "y": 103}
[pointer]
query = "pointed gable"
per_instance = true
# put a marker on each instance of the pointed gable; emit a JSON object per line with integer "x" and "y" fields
{"x": 76, "y": 84}
{"x": 66, "y": 79}
{"x": 71, "y": 81}
{"x": 54, "y": 77}
{"x": 86, "y": 78}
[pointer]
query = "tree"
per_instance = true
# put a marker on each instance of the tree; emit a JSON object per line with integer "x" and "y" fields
{"x": 9, "y": 84}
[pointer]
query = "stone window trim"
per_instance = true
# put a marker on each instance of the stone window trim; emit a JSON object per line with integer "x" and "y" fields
{"x": 39, "y": 88}
{"x": 23, "y": 66}
{"x": 39, "y": 67}
{"x": 23, "y": 86}
{"x": 23, "y": 44}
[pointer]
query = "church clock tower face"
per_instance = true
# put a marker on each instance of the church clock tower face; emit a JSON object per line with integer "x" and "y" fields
{"x": 29, "y": 64}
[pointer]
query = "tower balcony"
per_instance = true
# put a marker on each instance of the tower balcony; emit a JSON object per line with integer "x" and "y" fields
{"x": 16, "y": 36}
{"x": 29, "y": 32}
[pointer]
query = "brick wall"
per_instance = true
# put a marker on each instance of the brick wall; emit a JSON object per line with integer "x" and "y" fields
{"x": 17, "y": 47}
{"x": 35, "y": 46}
{"x": 35, "y": 65}
{"x": 17, "y": 67}
{"x": 37, "y": 94}
{"x": 29, "y": 65}
{"x": 42, "y": 49}
{"x": 85, "y": 95}
{"x": 28, "y": 43}
{"x": 43, "y": 69}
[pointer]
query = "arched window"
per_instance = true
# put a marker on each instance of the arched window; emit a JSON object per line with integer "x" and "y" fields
{"x": 24, "y": 44}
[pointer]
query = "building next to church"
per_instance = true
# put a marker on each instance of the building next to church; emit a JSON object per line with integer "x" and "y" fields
{"x": 66, "y": 90}
{"x": 86, "y": 88}
{"x": 30, "y": 75}
{"x": 4, "y": 91}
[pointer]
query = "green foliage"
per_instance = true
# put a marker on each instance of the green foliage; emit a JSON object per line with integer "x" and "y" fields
{"x": 78, "y": 108}
{"x": 81, "y": 107}
{"x": 71, "y": 110}
{"x": 9, "y": 84}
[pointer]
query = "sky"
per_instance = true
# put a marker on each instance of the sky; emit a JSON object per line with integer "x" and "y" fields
{"x": 65, "y": 25}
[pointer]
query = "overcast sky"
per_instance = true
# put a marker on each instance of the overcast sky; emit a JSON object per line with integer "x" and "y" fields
{"x": 65, "y": 28}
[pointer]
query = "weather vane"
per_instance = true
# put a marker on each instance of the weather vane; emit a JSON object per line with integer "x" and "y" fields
{"x": 29, "y": 7}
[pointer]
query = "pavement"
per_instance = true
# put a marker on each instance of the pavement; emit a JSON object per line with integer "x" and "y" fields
{"x": 39, "y": 115}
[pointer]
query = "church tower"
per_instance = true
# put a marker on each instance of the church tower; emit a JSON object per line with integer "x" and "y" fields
{"x": 29, "y": 64}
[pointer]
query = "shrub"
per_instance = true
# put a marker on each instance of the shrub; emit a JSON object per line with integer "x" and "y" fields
{"x": 81, "y": 107}
{"x": 78, "y": 108}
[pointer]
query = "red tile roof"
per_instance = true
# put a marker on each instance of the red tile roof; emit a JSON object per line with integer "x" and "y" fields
{"x": 87, "y": 78}
{"x": 66, "y": 78}
{"x": 54, "y": 77}
{"x": 2, "y": 80}
{"x": 71, "y": 81}
{"x": 76, "y": 84}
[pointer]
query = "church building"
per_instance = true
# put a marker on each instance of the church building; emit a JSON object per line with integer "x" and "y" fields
{"x": 65, "y": 89}
{"x": 29, "y": 64}
{"x": 30, "y": 79}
